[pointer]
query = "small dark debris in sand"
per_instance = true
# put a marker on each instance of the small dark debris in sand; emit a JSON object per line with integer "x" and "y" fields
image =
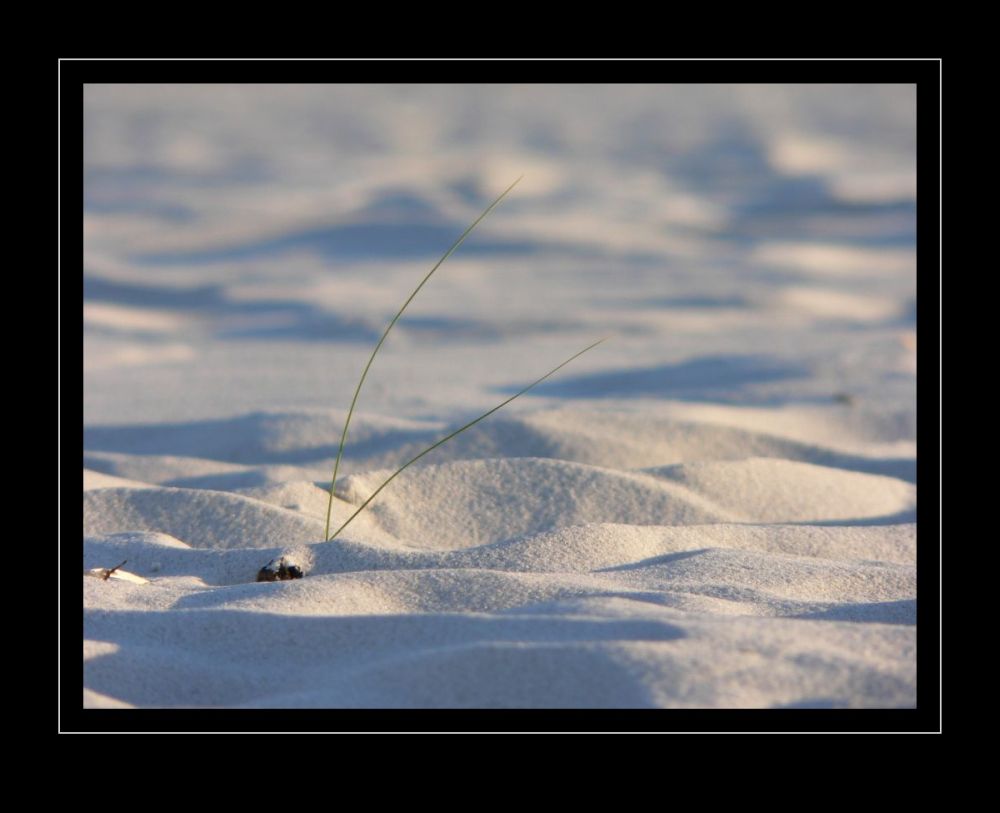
{"x": 107, "y": 573}
{"x": 279, "y": 571}
{"x": 845, "y": 398}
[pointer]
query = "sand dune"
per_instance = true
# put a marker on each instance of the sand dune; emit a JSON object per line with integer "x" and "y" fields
{"x": 482, "y": 581}
{"x": 485, "y": 579}
{"x": 306, "y": 643}
{"x": 716, "y": 508}
{"x": 201, "y": 518}
{"x": 268, "y": 447}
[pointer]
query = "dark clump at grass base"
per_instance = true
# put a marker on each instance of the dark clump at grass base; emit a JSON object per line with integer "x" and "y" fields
{"x": 279, "y": 571}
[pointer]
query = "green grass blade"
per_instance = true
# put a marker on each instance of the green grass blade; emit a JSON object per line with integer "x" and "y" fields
{"x": 364, "y": 374}
{"x": 458, "y": 432}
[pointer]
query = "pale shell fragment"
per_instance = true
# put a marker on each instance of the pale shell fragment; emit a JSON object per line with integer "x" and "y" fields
{"x": 123, "y": 575}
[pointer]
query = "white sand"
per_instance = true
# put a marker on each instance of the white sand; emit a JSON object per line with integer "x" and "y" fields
{"x": 716, "y": 508}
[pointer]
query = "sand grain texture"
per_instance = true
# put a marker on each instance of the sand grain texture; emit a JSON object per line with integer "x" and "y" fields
{"x": 715, "y": 509}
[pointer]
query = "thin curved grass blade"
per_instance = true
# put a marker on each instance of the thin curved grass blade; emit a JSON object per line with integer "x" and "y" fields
{"x": 364, "y": 374}
{"x": 458, "y": 432}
